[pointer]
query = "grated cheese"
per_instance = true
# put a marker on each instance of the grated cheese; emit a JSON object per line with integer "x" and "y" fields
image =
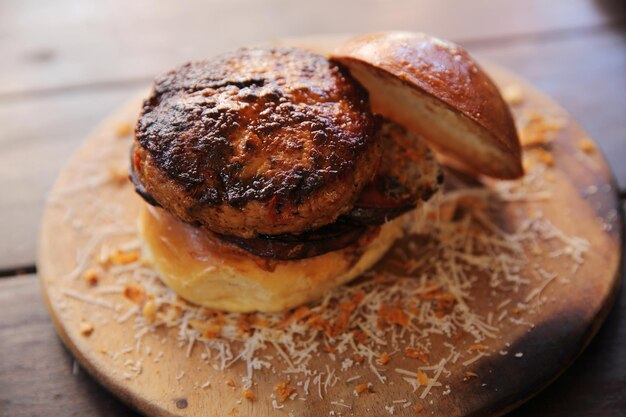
{"x": 474, "y": 359}
{"x": 89, "y": 300}
{"x": 340, "y": 404}
{"x": 432, "y": 300}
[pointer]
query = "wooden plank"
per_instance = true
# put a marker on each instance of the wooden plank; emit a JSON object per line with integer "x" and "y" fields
{"x": 36, "y": 371}
{"x": 37, "y": 374}
{"x": 36, "y": 138}
{"x": 51, "y": 45}
{"x": 584, "y": 74}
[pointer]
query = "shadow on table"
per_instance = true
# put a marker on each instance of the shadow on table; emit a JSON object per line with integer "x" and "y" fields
{"x": 596, "y": 381}
{"x": 616, "y": 11}
{"x": 95, "y": 400}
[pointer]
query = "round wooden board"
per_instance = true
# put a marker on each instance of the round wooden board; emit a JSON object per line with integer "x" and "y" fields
{"x": 160, "y": 380}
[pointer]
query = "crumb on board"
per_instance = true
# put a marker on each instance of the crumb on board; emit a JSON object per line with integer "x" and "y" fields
{"x": 86, "y": 328}
{"x": 134, "y": 293}
{"x": 120, "y": 257}
{"x": 586, "y": 145}
{"x": 527, "y": 162}
{"x": 230, "y": 382}
{"x": 544, "y": 157}
{"x": 422, "y": 377}
{"x": 360, "y": 389}
{"x": 248, "y": 395}
{"x": 513, "y": 94}
{"x": 118, "y": 175}
{"x": 416, "y": 354}
{"x": 123, "y": 129}
{"x": 537, "y": 129}
{"x": 284, "y": 391}
{"x": 358, "y": 358}
{"x": 478, "y": 347}
{"x": 149, "y": 309}
{"x": 91, "y": 276}
{"x": 418, "y": 408}
{"x": 469, "y": 375}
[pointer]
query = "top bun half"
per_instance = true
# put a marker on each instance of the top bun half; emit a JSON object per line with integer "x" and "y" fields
{"x": 434, "y": 88}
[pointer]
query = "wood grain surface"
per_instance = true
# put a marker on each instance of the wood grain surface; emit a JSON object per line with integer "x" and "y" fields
{"x": 100, "y": 43}
{"x": 560, "y": 331}
{"x": 42, "y": 379}
{"x": 33, "y": 153}
{"x": 563, "y": 67}
{"x": 38, "y": 359}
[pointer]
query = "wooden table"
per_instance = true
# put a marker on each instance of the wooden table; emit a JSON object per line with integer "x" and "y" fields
{"x": 66, "y": 64}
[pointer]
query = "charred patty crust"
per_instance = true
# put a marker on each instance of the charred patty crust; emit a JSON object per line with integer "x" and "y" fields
{"x": 257, "y": 141}
{"x": 408, "y": 175}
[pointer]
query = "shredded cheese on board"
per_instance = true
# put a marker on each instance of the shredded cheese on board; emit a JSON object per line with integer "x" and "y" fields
{"x": 450, "y": 287}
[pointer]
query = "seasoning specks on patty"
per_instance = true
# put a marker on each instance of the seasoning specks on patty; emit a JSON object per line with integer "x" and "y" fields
{"x": 257, "y": 141}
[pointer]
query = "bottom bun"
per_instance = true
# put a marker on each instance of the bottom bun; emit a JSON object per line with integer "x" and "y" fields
{"x": 204, "y": 270}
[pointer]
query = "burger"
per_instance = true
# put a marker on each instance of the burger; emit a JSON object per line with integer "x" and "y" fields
{"x": 272, "y": 175}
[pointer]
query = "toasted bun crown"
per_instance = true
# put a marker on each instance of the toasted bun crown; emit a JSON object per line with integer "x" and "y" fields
{"x": 436, "y": 89}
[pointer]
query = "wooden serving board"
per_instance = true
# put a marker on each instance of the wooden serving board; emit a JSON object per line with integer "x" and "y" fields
{"x": 530, "y": 348}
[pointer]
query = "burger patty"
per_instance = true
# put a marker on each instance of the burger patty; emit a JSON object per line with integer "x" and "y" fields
{"x": 408, "y": 175}
{"x": 329, "y": 238}
{"x": 257, "y": 141}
